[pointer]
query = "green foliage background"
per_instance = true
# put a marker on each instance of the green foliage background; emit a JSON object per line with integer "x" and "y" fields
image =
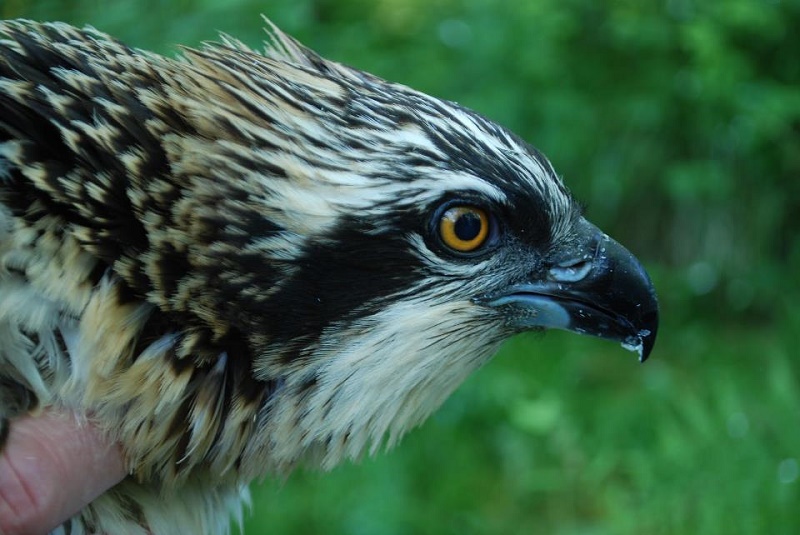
{"x": 678, "y": 123}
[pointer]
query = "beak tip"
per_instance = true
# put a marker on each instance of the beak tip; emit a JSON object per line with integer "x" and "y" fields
{"x": 648, "y": 335}
{"x": 647, "y": 348}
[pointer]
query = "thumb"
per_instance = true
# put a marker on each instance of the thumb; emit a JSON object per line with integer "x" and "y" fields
{"x": 51, "y": 467}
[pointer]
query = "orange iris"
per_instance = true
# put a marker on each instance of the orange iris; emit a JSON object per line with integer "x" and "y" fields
{"x": 464, "y": 228}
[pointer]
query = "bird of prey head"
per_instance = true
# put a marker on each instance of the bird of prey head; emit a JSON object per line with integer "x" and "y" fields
{"x": 243, "y": 260}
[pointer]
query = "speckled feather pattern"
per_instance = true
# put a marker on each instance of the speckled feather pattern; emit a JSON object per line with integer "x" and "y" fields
{"x": 223, "y": 258}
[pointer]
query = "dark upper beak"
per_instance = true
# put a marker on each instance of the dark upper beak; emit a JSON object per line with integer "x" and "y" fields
{"x": 594, "y": 286}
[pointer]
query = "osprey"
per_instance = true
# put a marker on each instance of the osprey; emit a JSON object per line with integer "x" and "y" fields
{"x": 236, "y": 261}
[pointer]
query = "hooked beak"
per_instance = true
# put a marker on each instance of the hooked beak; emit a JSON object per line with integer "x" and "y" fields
{"x": 596, "y": 287}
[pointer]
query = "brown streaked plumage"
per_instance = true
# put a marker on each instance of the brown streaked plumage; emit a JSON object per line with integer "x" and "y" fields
{"x": 234, "y": 261}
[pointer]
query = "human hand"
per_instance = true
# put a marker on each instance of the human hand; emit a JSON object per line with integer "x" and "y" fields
{"x": 52, "y": 466}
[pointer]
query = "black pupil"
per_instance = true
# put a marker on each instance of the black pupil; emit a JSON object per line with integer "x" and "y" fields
{"x": 468, "y": 226}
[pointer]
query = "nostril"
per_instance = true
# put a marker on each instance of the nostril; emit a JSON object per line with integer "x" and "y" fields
{"x": 571, "y": 271}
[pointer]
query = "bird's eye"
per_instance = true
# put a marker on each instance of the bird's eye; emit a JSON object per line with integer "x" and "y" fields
{"x": 463, "y": 228}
